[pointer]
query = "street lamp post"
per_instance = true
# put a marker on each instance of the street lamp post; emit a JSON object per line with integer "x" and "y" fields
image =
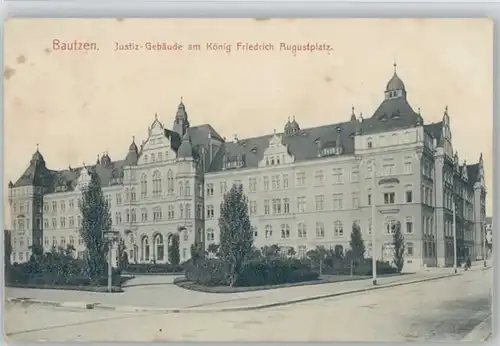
{"x": 454, "y": 238}
{"x": 483, "y": 231}
{"x": 374, "y": 258}
{"x": 110, "y": 236}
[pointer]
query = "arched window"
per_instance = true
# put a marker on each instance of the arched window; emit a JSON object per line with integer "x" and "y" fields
{"x": 338, "y": 229}
{"x": 170, "y": 181}
{"x": 156, "y": 183}
{"x": 181, "y": 188}
{"x": 133, "y": 195}
{"x": 301, "y": 230}
{"x": 159, "y": 249}
{"x": 188, "y": 211}
{"x": 144, "y": 248}
{"x": 127, "y": 194}
{"x": 187, "y": 188}
{"x": 144, "y": 185}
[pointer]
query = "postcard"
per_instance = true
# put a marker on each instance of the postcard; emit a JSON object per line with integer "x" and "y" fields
{"x": 248, "y": 179}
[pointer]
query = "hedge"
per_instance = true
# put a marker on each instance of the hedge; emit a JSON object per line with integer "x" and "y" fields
{"x": 257, "y": 272}
{"x": 67, "y": 274}
{"x": 150, "y": 268}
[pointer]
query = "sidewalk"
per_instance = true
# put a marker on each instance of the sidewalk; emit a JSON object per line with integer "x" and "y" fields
{"x": 181, "y": 300}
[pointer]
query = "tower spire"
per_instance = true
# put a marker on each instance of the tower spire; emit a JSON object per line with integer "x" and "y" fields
{"x": 395, "y": 65}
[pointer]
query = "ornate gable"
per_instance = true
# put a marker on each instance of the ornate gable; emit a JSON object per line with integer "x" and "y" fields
{"x": 157, "y": 147}
{"x": 84, "y": 178}
{"x": 276, "y": 153}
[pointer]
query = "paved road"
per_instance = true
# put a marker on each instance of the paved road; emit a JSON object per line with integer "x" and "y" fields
{"x": 441, "y": 310}
{"x": 158, "y": 292}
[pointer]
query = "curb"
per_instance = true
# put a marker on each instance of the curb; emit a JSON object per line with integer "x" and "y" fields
{"x": 481, "y": 332}
{"x": 98, "y": 306}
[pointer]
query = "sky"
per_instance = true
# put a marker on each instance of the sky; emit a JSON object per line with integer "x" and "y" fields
{"x": 78, "y": 104}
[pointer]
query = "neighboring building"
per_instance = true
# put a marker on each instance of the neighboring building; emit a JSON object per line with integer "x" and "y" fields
{"x": 306, "y": 187}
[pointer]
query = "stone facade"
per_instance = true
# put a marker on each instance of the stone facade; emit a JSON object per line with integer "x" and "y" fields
{"x": 306, "y": 187}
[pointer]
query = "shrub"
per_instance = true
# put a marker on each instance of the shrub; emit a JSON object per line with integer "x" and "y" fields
{"x": 256, "y": 272}
{"x": 365, "y": 268}
{"x": 150, "y": 268}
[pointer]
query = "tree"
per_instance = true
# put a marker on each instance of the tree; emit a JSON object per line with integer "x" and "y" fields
{"x": 95, "y": 220}
{"x": 236, "y": 232}
{"x": 213, "y": 249}
{"x": 197, "y": 252}
{"x": 121, "y": 254}
{"x": 357, "y": 244}
{"x": 398, "y": 243}
{"x": 270, "y": 251}
{"x": 174, "y": 255}
{"x": 7, "y": 243}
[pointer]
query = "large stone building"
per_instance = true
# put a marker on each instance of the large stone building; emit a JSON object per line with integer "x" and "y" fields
{"x": 306, "y": 187}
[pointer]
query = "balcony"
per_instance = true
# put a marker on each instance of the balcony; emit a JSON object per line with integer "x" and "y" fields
{"x": 388, "y": 208}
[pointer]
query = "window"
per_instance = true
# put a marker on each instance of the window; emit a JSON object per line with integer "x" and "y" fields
{"x": 389, "y": 198}
{"x": 71, "y": 240}
{"x": 407, "y": 166}
{"x": 355, "y": 174}
{"x": 156, "y": 184}
{"x": 253, "y": 207}
{"x": 63, "y": 206}
{"x": 133, "y": 216}
{"x": 276, "y": 206}
{"x": 389, "y": 169}
{"x": 319, "y": 177}
{"x": 320, "y": 202}
{"x": 144, "y": 185}
{"x": 390, "y": 226}
{"x": 275, "y": 182}
{"x": 45, "y": 223}
{"x": 285, "y": 181}
{"x": 409, "y": 249}
{"x": 355, "y": 200}
{"x": 369, "y": 142}
{"x": 157, "y": 213}
{"x": 285, "y": 231}
{"x": 144, "y": 248}
{"x": 286, "y": 205}
{"x": 408, "y": 194}
{"x": 338, "y": 229}
{"x": 187, "y": 188}
{"x": 337, "y": 176}
{"x": 223, "y": 187}
{"x": 338, "y": 201}
{"x": 71, "y": 221}
{"x": 54, "y": 206}
{"x": 210, "y": 234}
{"x": 409, "y": 225}
{"x": 302, "y": 231}
{"x": 170, "y": 212}
{"x": 118, "y": 218}
{"x": 301, "y": 178}
{"x": 63, "y": 222}
{"x": 133, "y": 195}
{"x": 252, "y": 184}
{"x": 301, "y": 204}
{"x": 266, "y": 207}
{"x": 63, "y": 241}
{"x": 144, "y": 215}
{"x": 320, "y": 230}
{"x": 170, "y": 182}
{"x": 266, "y": 183}
{"x": 269, "y": 231}
{"x": 210, "y": 211}
{"x": 79, "y": 220}
{"x": 45, "y": 207}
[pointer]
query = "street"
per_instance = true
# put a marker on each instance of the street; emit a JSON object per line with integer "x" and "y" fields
{"x": 441, "y": 310}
